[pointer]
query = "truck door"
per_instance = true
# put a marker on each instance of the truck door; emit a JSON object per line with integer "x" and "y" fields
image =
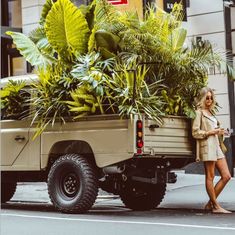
{"x": 18, "y": 150}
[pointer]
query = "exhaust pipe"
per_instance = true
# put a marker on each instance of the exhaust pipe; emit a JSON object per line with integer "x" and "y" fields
{"x": 113, "y": 169}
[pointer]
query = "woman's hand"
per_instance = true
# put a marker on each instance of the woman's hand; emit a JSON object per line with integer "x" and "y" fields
{"x": 221, "y": 131}
{"x": 217, "y": 131}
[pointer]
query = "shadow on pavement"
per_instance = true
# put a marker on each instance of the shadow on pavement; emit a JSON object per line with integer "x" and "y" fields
{"x": 106, "y": 210}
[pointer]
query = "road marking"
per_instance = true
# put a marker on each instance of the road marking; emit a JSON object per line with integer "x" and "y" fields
{"x": 119, "y": 221}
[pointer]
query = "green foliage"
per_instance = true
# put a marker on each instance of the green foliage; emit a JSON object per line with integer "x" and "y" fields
{"x": 92, "y": 72}
{"x": 14, "y": 100}
{"x": 30, "y": 51}
{"x": 63, "y": 33}
{"x": 160, "y": 40}
{"x": 38, "y": 36}
{"x": 51, "y": 92}
{"x": 45, "y": 10}
{"x": 107, "y": 43}
{"x": 92, "y": 69}
{"x": 129, "y": 92}
{"x": 66, "y": 28}
{"x": 89, "y": 57}
{"x": 85, "y": 102}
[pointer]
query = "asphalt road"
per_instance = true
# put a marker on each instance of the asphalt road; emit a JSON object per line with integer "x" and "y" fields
{"x": 31, "y": 213}
{"x": 112, "y": 218}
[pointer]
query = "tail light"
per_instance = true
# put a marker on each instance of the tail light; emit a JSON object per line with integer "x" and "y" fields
{"x": 139, "y": 136}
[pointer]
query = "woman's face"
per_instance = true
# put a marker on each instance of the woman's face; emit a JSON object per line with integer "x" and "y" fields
{"x": 209, "y": 99}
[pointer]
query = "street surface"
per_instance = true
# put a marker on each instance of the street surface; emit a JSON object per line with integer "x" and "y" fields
{"x": 30, "y": 213}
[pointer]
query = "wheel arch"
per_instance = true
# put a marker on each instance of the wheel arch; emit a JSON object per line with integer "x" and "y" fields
{"x": 70, "y": 147}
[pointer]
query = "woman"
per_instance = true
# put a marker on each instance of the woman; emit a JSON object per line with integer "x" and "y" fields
{"x": 207, "y": 132}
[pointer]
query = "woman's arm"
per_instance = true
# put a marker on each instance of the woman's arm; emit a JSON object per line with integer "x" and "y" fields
{"x": 196, "y": 127}
{"x": 198, "y": 133}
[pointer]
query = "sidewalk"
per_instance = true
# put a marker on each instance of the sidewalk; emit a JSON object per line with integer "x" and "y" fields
{"x": 188, "y": 193}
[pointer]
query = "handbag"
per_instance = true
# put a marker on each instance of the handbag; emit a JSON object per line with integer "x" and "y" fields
{"x": 221, "y": 141}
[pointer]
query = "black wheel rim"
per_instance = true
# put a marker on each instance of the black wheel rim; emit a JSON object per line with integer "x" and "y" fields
{"x": 69, "y": 185}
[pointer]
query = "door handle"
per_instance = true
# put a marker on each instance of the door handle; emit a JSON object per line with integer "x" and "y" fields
{"x": 19, "y": 138}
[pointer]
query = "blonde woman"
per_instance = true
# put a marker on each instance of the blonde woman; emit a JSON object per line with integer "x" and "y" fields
{"x": 207, "y": 132}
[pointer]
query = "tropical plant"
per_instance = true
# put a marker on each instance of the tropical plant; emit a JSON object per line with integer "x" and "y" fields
{"x": 63, "y": 33}
{"x": 92, "y": 72}
{"x": 128, "y": 91}
{"x": 87, "y": 58}
{"x": 14, "y": 100}
{"x": 85, "y": 102}
{"x": 92, "y": 69}
{"x": 51, "y": 92}
{"x": 53, "y": 47}
{"x": 161, "y": 41}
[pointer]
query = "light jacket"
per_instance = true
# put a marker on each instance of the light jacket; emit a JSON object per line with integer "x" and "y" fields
{"x": 205, "y": 146}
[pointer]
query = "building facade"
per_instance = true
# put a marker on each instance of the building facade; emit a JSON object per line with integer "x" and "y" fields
{"x": 214, "y": 20}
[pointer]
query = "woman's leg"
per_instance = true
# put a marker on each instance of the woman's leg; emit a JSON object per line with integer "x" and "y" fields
{"x": 210, "y": 174}
{"x": 222, "y": 167}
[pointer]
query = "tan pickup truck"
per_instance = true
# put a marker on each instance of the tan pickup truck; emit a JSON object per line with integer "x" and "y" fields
{"x": 128, "y": 157}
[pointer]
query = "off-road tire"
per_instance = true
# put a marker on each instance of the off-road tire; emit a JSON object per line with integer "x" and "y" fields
{"x": 72, "y": 184}
{"x": 142, "y": 196}
{"x": 7, "y": 190}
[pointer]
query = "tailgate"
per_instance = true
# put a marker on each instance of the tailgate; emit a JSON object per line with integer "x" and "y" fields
{"x": 173, "y": 138}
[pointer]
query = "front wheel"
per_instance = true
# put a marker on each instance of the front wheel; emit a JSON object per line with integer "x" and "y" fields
{"x": 72, "y": 184}
{"x": 142, "y": 196}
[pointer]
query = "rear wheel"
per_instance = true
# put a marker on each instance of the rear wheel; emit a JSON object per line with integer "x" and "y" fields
{"x": 72, "y": 184}
{"x": 7, "y": 190}
{"x": 142, "y": 196}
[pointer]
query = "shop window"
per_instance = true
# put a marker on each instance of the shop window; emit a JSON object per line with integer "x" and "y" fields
{"x": 15, "y": 15}
{"x": 11, "y": 20}
{"x": 11, "y": 13}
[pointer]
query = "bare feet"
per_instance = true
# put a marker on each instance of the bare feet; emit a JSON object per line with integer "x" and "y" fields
{"x": 208, "y": 207}
{"x": 220, "y": 210}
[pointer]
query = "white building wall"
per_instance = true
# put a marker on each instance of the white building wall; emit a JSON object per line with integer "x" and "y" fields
{"x": 206, "y": 20}
{"x": 31, "y": 13}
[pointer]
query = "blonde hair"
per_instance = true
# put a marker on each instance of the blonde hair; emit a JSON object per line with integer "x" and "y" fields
{"x": 202, "y": 98}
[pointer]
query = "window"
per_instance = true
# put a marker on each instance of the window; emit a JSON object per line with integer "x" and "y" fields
{"x": 12, "y": 62}
{"x": 11, "y": 13}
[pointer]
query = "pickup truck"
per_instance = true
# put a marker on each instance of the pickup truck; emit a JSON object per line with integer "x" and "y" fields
{"x": 130, "y": 157}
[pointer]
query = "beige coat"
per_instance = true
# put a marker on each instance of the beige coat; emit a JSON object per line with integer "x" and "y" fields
{"x": 205, "y": 146}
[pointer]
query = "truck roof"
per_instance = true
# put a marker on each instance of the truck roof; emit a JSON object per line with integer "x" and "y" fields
{"x": 28, "y": 78}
